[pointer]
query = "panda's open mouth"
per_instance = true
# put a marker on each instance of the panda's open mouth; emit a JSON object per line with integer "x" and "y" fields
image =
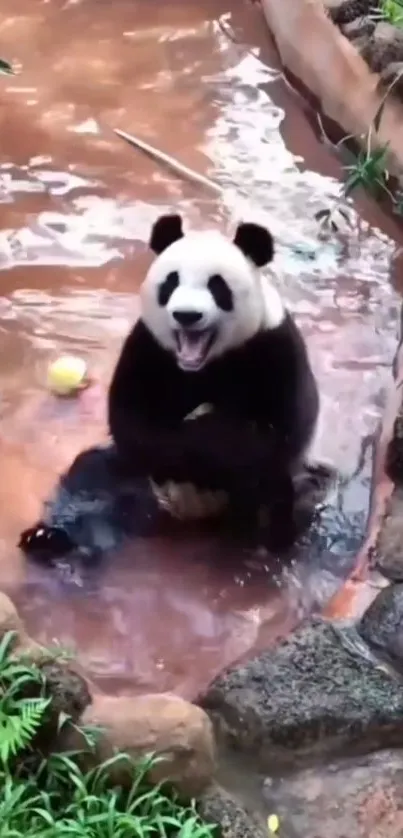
{"x": 192, "y": 347}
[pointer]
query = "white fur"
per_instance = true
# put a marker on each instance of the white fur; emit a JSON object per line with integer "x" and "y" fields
{"x": 196, "y": 257}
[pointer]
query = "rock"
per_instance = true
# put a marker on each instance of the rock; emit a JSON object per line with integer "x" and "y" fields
{"x": 394, "y": 452}
{"x": 69, "y": 695}
{"x": 9, "y": 617}
{"x": 163, "y": 724}
{"x": 309, "y": 697}
{"x": 384, "y": 47}
{"x": 218, "y": 807}
{"x": 389, "y": 546}
{"x": 345, "y": 11}
{"x": 11, "y": 621}
{"x": 361, "y": 798}
{"x": 359, "y": 30}
{"x": 68, "y": 690}
{"x": 382, "y": 625}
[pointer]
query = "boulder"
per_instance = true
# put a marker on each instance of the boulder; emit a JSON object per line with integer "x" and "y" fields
{"x": 69, "y": 690}
{"x": 382, "y": 625}
{"x": 394, "y": 451}
{"x": 362, "y": 797}
{"x": 216, "y": 806}
{"x": 309, "y": 697}
{"x": 11, "y": 621}
{"x": 389, "y": 546}
{"x": 9, "y": 617}
{"x": 162, "y": 724}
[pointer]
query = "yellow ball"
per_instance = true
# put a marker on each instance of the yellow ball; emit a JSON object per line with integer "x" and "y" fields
{"x": 67, "y": 375}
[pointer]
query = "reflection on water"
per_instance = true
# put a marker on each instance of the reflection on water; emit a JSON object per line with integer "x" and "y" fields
{"x": 77, "y": 205}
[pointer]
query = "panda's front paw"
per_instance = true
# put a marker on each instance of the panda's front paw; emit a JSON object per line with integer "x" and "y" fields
{"x": 45, "y": 543}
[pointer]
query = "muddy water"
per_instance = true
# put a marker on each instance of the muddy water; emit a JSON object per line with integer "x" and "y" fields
{"x": 76, "y": 208}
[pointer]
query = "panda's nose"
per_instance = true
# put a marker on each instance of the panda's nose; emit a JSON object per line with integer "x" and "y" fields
{"x": 187, "y": 318}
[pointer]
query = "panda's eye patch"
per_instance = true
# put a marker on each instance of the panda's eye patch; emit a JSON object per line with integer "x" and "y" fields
{"x": 167, "y": 288}
{"x": 221, "y": 293}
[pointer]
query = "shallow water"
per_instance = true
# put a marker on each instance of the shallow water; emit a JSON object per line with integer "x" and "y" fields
{"x": 77, "y": 204}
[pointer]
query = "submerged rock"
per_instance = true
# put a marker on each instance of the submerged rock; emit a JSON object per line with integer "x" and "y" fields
{"x": 309, "y": 697}
{"x": 218, "y": 807}
{"x": 394, "y": 453}
{"x": 68, "y": 690}
{"x": 162, "y": 724}
{"x": 345, "y": 11}
{"x": 384, "y": 47}
{"x": 361, "y": 798}
{"x": 11, "y": 621}
{"x": 389, "y": 547}
{"x": 382, "y": 625}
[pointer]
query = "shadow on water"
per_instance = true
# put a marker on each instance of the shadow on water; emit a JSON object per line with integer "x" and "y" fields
{"x": 76, "y": 209}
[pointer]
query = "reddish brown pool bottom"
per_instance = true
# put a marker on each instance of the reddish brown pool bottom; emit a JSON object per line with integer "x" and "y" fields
{"x": 76, "y": 208}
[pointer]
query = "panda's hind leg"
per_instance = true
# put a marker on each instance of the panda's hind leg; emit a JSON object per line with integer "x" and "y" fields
{"x": 77, "y": 496}
{"x": 262, "y": 513}
{"x": 93, "y": 511}
{"x": 45, "y": 543}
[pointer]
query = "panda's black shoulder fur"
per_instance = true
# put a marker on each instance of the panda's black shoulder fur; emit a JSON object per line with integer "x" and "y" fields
{"x": 267, "y": 381}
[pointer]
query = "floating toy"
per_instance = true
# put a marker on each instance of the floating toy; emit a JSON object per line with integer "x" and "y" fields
{"x": 67, "y": 375}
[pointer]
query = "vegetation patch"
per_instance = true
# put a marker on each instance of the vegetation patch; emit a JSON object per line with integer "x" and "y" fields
{"x": 45, "y": 793}
{"x": 368, "y": 170}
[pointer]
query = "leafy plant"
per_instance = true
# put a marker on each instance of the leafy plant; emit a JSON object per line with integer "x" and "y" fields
{"x": 58, "y": 797}
{"x": 369, "y": 169}
{"x": 61, "y": 800}
{"x": 20, "y": 716}
{"x": 390, "y": 11}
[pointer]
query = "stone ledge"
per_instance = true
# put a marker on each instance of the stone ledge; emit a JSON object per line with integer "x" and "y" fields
{"x": 313, "y": 49}
{"x": 310, "y": 698}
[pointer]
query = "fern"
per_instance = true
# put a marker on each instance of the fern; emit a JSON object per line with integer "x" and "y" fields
{"x": 20, "y": 714}
{"x": 18, "y": 725}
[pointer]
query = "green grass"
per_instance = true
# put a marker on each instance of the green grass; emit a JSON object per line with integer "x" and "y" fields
{"x": 61, "y": 801}
{"x": 53, "y": 796}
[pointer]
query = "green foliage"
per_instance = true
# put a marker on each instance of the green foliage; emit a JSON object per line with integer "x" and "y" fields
{"x": 391, "y": 11}
{"x": 20, "y": 716}
{"x": 367, "y": 171}
{"x": 62, "y": 801}
{"x": 58, "y": 797}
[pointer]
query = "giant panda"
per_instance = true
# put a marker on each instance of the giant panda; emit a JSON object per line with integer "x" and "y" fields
{"x": 212, "y": 406}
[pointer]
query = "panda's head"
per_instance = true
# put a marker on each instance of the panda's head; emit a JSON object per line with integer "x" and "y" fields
{"x": 204, "y": 295}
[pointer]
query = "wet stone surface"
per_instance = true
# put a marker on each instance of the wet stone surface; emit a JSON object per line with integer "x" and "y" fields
{"x": 361, "y": 798}
{"x": 382, "y": 625}
{"x": 310, "y": 698}
{"x": 394, "y": 453}
{"x": 389, "y": 547}
{"x": 378, "y": 41}
{"x": 234, "y": 821}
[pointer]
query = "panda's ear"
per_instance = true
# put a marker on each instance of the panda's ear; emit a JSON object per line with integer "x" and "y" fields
{"x": 166, "y": 230}
{"x": 255, "y": 242}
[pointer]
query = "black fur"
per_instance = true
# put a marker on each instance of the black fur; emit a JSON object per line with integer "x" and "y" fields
{"x": 255, "y": 242}
{"x": 265, "y": 409}
{"x": 265, "y": 406}
{"x": 268, "y": 381}
{"x": 167, "y": 288}
{"x": 221, "y": 292}
{"x": 93, "y": 511}
{"x": 165, "y": 231}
